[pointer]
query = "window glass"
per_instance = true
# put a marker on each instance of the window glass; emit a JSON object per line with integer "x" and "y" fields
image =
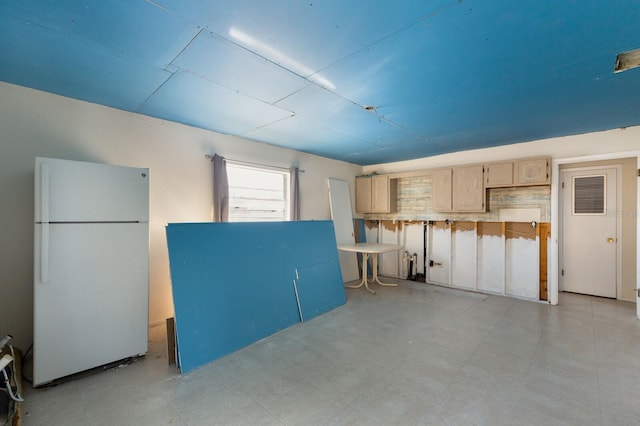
{"x": 257, "y": 194}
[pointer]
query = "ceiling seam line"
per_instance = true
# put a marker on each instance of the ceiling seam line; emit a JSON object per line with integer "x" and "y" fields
{"x": 103, "y": 48}
{"x": 265, "y": 125}
{"x": 318, "y": 125}
{"x": 188, "y": 71}
{"x": 306, "y": 78}
{"x": 184, "y": 48}
{"x": 406, "y": 27}
{"x": 380, "y": 116}
{"x": 172, "y": 74}
{"x": 166, "y": 9}
{"x": 70, "y": 36}
{"x": 260, "y": 56}
{"x": 290, "y": 94}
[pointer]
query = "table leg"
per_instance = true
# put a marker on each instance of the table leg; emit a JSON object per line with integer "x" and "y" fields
{"x": 375, "y": 273}
{"x": 365, "y": 281}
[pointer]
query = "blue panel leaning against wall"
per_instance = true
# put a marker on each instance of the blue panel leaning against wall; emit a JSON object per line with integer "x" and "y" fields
{"x": 233, "y": 283}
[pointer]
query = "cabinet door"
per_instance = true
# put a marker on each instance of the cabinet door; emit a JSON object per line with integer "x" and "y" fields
{"x": 468, "y": 189}
{"x": 534, "y": 171}
{"x": 380, "y": 194}
{"x": 363, "y": 194}
{"x": 441, "y": 187}
{"x": 499, "y": 174}
{"x": 383, "y": 194}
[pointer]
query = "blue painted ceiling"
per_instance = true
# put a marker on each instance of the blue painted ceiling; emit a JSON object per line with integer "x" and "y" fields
{"x": 364, "y": 81}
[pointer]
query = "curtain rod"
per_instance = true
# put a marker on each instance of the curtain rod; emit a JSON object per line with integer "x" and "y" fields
{"x": 210, "y": 158}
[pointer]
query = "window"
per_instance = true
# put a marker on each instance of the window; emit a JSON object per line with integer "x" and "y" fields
{"x": 257, "y": 194}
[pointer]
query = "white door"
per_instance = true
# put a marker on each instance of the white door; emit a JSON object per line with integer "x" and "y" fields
{"x": 340, "y": 200}
{"x": 590, "y": 231}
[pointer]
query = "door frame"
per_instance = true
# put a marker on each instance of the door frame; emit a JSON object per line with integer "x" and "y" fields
{"x": 618, "y": 208}
{"x": 555, "y": 193}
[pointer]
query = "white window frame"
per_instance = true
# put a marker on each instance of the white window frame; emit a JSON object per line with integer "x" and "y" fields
{"x": 286, "y": 189}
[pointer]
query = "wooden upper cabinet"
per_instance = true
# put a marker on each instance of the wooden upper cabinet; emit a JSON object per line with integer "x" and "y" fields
{"x": 383, "y": 194}
{"x": 376, "y": 194}
{"x": 527, "y": 171}
{"x": 363, "y": 194}
{"x": 533, "y": 171}
{"x": 468, "y": 189}
{"x": 498, "y": 174}
{"x": 442, "y": 190}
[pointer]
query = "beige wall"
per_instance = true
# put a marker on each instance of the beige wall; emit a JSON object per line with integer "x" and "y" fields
{"x": 34, "y": 123}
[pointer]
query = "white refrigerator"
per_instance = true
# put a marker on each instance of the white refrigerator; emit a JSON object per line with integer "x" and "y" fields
{"x": 91, "y": 266}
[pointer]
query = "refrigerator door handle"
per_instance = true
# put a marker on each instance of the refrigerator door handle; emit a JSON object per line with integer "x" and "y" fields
{"x": 44, "y": 193}
{"x": 44, "y": 253}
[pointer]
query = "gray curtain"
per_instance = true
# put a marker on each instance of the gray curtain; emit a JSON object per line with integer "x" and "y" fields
{"x": 220, "y": 190}
{"x": 295, "y": 194}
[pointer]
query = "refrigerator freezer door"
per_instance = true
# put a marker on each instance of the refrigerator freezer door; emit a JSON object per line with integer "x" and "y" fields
{"x": 75, "y": 191}
{"x": 93, "y": 307}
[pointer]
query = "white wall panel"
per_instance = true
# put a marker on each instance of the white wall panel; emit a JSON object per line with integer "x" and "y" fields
{"x": 522, "y": 261}
{"x": 371, "y": 231}
{"x": 491, "y": 258}
{"x": 389, "y": 263}
{"x": 439, "y": 253}
{"x": 463, "y": 255}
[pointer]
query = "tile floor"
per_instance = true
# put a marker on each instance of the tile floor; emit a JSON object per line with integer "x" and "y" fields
{"x": 412, "y": 355}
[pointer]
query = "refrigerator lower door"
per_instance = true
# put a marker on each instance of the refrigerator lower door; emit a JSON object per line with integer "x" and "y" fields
{"x": 90, "y": 296}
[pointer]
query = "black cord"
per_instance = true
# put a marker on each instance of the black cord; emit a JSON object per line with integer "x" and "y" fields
{"x": 24, "y": 358}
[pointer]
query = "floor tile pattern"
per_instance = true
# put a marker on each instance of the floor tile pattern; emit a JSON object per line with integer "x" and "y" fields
{"x": 412, "y": 355}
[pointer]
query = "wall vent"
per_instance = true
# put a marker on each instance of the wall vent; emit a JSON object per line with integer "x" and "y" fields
{"x": 627, "y": 60}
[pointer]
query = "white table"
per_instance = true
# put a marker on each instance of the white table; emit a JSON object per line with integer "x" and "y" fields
{"x": 367, "y": 249}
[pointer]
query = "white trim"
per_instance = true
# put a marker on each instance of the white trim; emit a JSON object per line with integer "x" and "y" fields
{"x": 597, "y": 157}
{"x": 555, "y": 178}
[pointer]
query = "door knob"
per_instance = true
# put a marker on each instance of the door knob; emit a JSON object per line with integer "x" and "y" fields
{"x": 611, "y": 240}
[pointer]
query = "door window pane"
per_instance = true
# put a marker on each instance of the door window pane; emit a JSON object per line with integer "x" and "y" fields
{"x": 589, "y": 195}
